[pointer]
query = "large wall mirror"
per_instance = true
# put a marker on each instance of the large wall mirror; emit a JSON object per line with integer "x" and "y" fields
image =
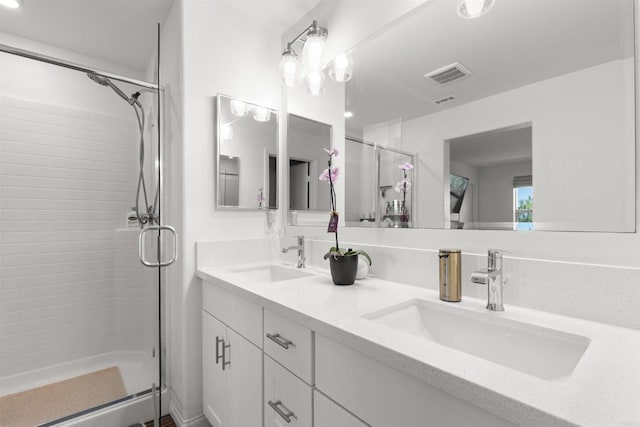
{"x": 246, "y": 155}
{"x": 307, "y": 140}
{"x": 521, "y": 119}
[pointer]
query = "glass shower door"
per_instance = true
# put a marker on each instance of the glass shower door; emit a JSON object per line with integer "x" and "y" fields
{"x": 81, "y": 317}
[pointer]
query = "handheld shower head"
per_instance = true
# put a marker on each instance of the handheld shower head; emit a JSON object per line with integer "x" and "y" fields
{"x": 103, "y": 81}
{"x": 98, "y": 79}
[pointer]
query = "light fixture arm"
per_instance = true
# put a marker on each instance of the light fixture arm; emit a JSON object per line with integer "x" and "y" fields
{"x": 312, "y": 29}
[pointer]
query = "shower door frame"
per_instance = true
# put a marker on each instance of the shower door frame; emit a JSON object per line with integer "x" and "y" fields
{"x": 156, "y": 395}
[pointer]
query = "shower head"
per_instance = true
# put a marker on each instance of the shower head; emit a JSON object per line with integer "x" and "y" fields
{"x": 98, "y": 79}
{"x": 103, "y": 81}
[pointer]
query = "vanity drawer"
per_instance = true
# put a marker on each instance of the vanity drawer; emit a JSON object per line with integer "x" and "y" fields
{"x": 241, "y": 315}
{"x": 289, "y": 344}
{"x": 327, "y": 413}
{"x": 287, "y": 400}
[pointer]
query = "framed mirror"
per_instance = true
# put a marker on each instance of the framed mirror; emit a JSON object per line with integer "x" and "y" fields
{"x": 246, "y": 155}
{"x": 307, "y": 140}
{"x": 510, "y": 132}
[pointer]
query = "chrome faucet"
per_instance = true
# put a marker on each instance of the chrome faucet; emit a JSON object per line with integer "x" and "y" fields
{"x": 300, "y": 248}
{"x": 492, "y": 277}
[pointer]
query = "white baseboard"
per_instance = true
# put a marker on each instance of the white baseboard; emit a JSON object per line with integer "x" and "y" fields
{"x": 197, "y": 421}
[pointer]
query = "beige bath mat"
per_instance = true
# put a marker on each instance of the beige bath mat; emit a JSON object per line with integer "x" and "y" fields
{"x": 39, "y": 405}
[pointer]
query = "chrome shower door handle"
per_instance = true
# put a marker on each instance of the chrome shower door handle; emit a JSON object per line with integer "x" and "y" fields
{"x": 142, "y": 246}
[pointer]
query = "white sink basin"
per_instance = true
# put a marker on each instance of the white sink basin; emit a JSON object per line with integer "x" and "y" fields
{"x": 541, "y": 352}
{"x": 270, "y": 273}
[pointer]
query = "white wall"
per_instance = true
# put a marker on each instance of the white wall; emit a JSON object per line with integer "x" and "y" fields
{"x": 583, "y": 150}
{"x": 495, "y": 190}
{"x": 219, "y": 52}
{"x": 70, "y": 287}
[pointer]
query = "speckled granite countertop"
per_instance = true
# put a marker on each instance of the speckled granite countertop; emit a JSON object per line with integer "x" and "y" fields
{"x": 603, "y": 390}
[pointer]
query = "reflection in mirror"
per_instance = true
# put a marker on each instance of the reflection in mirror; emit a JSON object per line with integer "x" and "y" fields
{"x": 491, "y": 181}
{"x": 483, "y": 100}
{"x": 247, "y": 146}
{"x": 387, "y": 199}
{"x": 306, "y": 141}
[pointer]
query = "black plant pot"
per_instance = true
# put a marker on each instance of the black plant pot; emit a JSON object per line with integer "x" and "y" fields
{"x": 343, "y": 269}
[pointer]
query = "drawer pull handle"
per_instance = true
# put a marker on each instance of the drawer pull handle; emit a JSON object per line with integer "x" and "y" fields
{"x": 280, "y": 340}
{"x": 286, "y": 414}
{"x": 218, "y": 355}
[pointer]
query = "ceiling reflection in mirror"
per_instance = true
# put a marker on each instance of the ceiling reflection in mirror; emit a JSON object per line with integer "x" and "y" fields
{"x": 531, "y": 105}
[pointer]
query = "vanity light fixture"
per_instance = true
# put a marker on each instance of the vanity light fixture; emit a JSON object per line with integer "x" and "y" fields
{"x": 313, "y": 49}
{"x": 315, "y": 82}
{"x": 470, "y": 9}
{"x": 348, "y": 114}
{"x": 313, "y": 61}
{"x": 261, "y": 114}
{"x": 290, "y": 67}
{"x": 239, "y": 108}
{"x": 11, "y": 4}
{"x": 341, "y": 68}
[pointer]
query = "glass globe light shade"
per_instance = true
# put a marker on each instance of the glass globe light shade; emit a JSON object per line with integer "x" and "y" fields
{"x": 341, "y": 68}
{"x": 261, "y": 114}
{"x": 470, "y": 9}
{"x": 315, "y": 81}
{"x": 239, "y": 108}
{"x": 313, "y": 53}
{"x": 290, "y": 69}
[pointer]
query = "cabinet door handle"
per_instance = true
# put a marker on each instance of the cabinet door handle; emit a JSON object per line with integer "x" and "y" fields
{"x": 286, "y": 414}
{"x": 218, "y": 355}
{"x": 280, "y": 340}
{"x": 225, "y": 362}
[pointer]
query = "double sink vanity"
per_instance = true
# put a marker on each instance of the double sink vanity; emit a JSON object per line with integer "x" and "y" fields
{"x": 284, "y": 346}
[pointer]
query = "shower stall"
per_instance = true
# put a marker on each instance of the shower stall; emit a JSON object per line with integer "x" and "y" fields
{"x": 83, "y": 245}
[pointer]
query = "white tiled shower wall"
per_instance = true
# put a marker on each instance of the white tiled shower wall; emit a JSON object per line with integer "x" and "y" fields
{"x": 71, "y": 285}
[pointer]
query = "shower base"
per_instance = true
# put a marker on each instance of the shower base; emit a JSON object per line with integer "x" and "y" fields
{"x": 137, "y": 370}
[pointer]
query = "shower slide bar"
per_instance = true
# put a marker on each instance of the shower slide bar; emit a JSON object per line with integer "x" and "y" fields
{"x": 73, "y": 66}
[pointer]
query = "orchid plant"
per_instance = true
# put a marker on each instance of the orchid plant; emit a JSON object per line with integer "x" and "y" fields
{"x": 403, "y": 185}
{"x": 330, "y": 175}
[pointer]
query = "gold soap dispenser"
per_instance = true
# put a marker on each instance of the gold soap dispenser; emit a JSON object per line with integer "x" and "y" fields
{"x": 450, "y": 273}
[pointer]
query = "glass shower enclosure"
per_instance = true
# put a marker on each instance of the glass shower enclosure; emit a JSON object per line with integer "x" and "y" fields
{"x": 83, "y": 245}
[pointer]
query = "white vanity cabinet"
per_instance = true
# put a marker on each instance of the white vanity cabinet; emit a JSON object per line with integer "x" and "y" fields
{"x": 232, "y": 365}
{"x": 383, "y": 396}
{"x": 264, "y": 369}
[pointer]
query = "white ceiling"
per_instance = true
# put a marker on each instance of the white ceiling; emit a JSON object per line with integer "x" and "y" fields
{"x": 517, "y": 43}
{"x": 124, "y": 32}
{"x": 492, "y": 148}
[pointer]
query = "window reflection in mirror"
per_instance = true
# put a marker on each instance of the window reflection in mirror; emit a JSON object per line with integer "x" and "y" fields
{"x": 495, "y": 165}
{"x": 247, "y": 149}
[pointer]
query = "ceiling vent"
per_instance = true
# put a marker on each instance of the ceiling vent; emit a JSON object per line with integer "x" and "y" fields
{"x": 444, "y": 100}
{"x": 449, "y": 74}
